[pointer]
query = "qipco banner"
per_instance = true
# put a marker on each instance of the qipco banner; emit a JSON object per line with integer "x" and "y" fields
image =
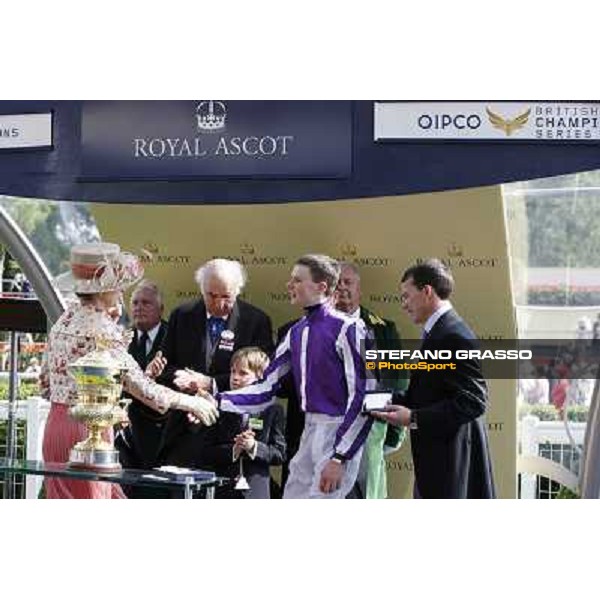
{"x": 214, "y": 139}
{"x": 27, "y": 131}
{"x": 498, "y": 121}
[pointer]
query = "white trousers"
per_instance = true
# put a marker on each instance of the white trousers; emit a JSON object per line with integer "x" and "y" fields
{"x": 316, "y": 449}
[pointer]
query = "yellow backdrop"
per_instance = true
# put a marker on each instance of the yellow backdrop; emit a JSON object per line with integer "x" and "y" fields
{"x": 381, "y": 235}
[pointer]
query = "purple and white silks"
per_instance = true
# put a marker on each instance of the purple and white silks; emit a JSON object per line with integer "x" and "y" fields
{"x": 323, "y": 352}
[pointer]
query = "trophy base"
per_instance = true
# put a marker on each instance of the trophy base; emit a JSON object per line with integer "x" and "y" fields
{"x": 242, "y": 484}
{"x": 95, "y": 460}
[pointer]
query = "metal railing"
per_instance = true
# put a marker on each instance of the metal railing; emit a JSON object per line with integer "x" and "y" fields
{"x": 31, "y": 416}
{"x": 546, "y": 453}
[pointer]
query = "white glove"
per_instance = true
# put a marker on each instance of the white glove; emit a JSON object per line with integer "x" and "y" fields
{"x": 205, "y": 410}
{"x": 187, "y": 380}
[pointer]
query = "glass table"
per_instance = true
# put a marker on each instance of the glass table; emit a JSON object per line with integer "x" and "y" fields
{"x": 195, "y": 484}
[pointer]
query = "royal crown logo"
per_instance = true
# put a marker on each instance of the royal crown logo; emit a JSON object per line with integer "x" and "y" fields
{"x": 211, "y": 115}
{"x": 509, "y": 126}
{"x": 455, "y": 251}
{"x": 349, "y": 250}
{"x": 149, "y": 250}
{"x": 246, "y": 248}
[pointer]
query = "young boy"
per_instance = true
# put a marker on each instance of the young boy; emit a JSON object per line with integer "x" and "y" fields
{"x": 322, "y": 352}
{"x": 262, "y": 444}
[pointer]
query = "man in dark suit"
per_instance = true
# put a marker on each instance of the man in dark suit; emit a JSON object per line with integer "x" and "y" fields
{"x": 443, "y": 409}
{"x": 138, "y": 443}
{"x": 200, "y": 341}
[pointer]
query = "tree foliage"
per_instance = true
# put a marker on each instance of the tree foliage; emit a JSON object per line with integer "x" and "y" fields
{"x": 52, "y": 227}
{"x": 563, "y": 220}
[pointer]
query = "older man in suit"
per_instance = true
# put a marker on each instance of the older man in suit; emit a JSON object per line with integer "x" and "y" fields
{"x": 138, "y": 443}
{"x": 200, "y": 341}
{"x": 443, "y": 410}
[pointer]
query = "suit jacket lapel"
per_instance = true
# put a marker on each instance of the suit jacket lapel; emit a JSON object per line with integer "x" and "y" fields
{"x": 441, "y": 323}
{"x": 364, "y": 315}
{"x": 234, "y": 317}
{"x": 160, "y": 334}
{"x": 428, "y": 342}
{"x": 198, "y": 338}
{"x": 134, "y": 348}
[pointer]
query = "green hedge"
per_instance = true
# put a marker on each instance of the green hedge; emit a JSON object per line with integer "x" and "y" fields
{"x": 25, "y": 390}
{"x": 560, "y": 298}
{"x": 548, "y": 412}
{"x": 566, "y": 494}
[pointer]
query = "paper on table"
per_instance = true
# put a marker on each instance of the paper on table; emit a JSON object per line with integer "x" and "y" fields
{"x": 182, "y": 472}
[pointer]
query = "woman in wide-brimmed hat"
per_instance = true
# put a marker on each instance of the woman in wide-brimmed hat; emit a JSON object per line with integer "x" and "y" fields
{"x": 99, "y": 273}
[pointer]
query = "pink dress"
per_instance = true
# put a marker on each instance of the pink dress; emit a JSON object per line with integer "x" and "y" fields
{"x": 72, "y": 336}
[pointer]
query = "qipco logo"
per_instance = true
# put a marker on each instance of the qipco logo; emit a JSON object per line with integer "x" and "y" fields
{"x": 446, "y": 121}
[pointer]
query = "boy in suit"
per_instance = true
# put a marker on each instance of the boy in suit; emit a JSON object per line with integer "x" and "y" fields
{"x": 258, "y": 441}
{"x": 262, "y": 444}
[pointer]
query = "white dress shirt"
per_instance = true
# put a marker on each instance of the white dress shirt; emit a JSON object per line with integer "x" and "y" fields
{"x": 443, "y": 308}
{"x": 152, "y": 333}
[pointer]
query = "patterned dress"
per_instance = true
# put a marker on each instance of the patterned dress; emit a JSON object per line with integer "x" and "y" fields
{"x": 75, "y": 334}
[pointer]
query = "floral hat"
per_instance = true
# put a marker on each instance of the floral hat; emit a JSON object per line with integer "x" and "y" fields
{"x": 100, "y": 267}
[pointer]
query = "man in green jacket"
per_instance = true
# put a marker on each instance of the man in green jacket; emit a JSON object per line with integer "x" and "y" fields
{"x": 383, "y": 438}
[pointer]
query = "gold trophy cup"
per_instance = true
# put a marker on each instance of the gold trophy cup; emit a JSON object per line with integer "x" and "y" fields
{"x": 98, "y": 377}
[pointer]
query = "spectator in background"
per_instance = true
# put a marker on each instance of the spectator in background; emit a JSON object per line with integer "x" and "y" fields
{"x": 34, "y": 366}
{"x": 584, "y": 329}
{"x": 10, "y": 273}
{"x": 596, "y": 331}
{"x": 138, "y": 442}
{"x": 559, "y": 393}
{"x": 582, "y": 381}
{"x": 535, "y": 388}
{"x": 542, "y": 388}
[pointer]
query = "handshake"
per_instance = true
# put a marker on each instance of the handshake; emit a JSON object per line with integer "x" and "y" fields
{"x": 201, "y": 407}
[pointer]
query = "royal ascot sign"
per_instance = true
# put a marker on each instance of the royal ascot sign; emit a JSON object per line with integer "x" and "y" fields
{"x": 28, "y": 131}
{"x": 214, "y": 139}
{"x": 497, "y": 121}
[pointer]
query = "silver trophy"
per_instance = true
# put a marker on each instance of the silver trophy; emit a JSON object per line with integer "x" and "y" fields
{"x": 241, "y": 483}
